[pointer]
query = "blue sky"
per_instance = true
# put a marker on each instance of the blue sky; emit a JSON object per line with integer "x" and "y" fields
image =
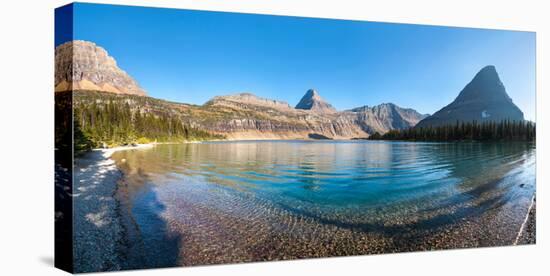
{"x": 191, "y": 56}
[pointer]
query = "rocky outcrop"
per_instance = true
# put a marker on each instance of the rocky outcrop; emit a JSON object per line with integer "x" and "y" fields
{"x": 313, "y": 101}
{"x": 483, "y": 99}
{"x": 82, "y": 65}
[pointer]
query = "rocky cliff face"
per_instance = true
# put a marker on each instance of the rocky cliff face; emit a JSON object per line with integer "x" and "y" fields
{"x": 82, "y": 65}
{"x": 483, "y": 99}
{"x": 313, "y": 101}
{"x": 385, "y": 117}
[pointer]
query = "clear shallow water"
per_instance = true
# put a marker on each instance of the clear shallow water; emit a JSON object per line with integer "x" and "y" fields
{"x": 259, "y": 200}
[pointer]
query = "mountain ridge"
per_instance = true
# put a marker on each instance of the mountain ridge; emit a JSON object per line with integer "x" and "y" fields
{"x": 241, "y": 120}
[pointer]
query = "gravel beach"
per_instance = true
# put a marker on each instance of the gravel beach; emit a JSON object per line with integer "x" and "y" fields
{"x": 98, "y": 231}
{"x": 527, "y": 235}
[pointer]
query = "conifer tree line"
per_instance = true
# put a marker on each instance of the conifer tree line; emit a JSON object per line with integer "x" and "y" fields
{"x": 117, "y": 123}
{"x": 505, "y": 130}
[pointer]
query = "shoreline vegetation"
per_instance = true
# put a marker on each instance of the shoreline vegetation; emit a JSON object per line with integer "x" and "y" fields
{"x": 99, "y": 122}
{"x": 404, "y": 136}
{"x": 106, "y": 120}
{"x": 120, "y": 125}
{"x": 490, "y": 131}
{"x": 505, "y": 131}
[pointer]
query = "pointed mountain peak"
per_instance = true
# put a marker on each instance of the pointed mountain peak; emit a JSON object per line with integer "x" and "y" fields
{"x": 487, "y": 74}
{"x": 312, "y": 93}
{"x": 488, "y": 69}
{"x": 486, "y": 85}
{"x": 313, "y": 101}
{"x": 482, "y": 99}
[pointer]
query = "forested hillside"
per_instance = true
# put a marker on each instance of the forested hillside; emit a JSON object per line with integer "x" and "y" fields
{"x": 110, "y": 119}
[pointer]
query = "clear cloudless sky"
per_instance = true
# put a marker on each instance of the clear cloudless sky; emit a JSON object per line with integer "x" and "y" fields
{"x": 191, "y": 56}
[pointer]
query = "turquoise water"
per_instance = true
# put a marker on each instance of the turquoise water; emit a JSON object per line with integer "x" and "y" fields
{"x": 243, "y": 193}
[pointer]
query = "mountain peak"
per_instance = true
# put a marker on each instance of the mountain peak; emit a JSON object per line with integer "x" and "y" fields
{"x": 312, "y": 93}
{"x": 486, "y": 85}
{"x": 484, "y": 98}
{"x": 83, "y": 65}
{"x": 489, "y": 69}
{"x": 313, "y": 101}
{"x": 487, "y": 74}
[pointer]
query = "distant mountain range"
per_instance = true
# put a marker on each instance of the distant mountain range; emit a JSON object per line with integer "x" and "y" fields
{"x": 255, "y": 116}
{"x": 84, "y": 66}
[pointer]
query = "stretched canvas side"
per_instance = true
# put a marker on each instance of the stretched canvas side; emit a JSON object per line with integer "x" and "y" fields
{"x": 64, "y": 155}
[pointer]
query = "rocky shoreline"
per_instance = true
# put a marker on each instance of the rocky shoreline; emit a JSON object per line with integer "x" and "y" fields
{"x": 99, "y": 233}
{"x": 527, "y": 235}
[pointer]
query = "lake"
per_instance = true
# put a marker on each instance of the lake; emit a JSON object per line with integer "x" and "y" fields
{"x": 241, "y": 201}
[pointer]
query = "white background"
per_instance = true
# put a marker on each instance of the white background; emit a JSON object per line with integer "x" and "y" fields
{"x": 26, "y": 135}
